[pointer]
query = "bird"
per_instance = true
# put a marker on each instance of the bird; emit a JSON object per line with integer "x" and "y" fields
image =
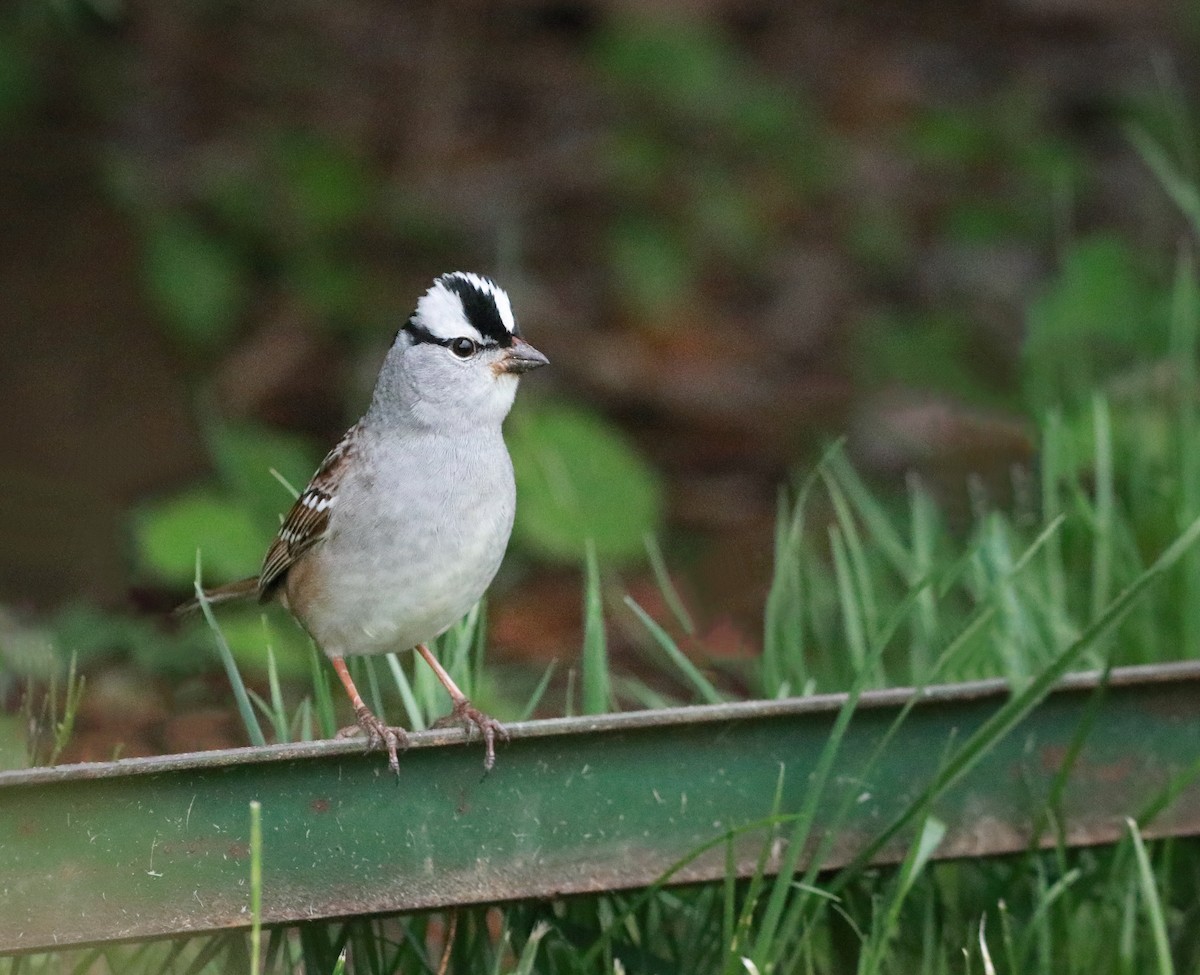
{"x": 403, "y": 526}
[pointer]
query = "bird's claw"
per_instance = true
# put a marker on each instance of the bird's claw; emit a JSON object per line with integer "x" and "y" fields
{"x": 395, "y": 740}
{"x": 468, "y": 716}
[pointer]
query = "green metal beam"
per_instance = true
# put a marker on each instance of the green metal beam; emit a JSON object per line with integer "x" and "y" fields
{"x": 142, "y": 848}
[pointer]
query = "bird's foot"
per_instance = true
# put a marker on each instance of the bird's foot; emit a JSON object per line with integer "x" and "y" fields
{"x": 466, "y": 714}
{"x": 378, "y": 735}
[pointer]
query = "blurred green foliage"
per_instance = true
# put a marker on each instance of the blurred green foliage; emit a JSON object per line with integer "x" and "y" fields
{"x": 1104, "y": 309}
{"x": 230, "y": 519}
{"x": 1009, "y": 178}
{"x": 932, "y": 352}
{"x": 580, "y": 481}
{"x": 327, "y": 188}
{"x": 1007, "y": 146}
{"x": 20, "y": 86}
{"x": 196, "y": 281}
{"x": 169, "y": 534}
{"x": 284, "y": 217}
{"x": 708, "y": 161}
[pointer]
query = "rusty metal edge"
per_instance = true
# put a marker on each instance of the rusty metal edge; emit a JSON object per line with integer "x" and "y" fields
{"x": 621, "y": 721}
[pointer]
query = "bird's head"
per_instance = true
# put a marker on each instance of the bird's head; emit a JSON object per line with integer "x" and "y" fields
{"x": 458, "y": 356}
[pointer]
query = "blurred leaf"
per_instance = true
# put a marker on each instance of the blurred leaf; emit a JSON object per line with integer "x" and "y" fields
{"x": 642, "y": 162}
{"x": 232, "y": 189}
{"x": 696, "y": 75}
{"x": 334, "y": 290}
{"x": 769, "y": 117}
{"x": 245, "y": 454}
{"x": 20, "y": 84}
{"x": 980, "y": 220}
{"x": 91, "y": 634}
{"x": 195, "y": 280}
{"x": 229, "y": 535}
{"x": 772, "y": 121}
{"x": 1101, "y": 312}
{"x": 1100, "y": 291}
{"x": 329, "y": 188}
{"x": 1050, "y": 164}
{"x": 685, "y": 67}
{"x": 249, "y": 630}
{"x": 927, "y": 352}
{"x": 651, "y": 265}
{"x": 726, "y": 218}
{"x": 953, "y": 137}
{"x": 578, "y": 478}
{"x": 881, "y": 237}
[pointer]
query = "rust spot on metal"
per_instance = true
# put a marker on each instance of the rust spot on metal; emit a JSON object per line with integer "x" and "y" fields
{"x": 237, "y": 851}
{"x": 1053, "y": 757}
{"x": 28, "y": 828}
{"x": 192, "y": 848}
{"x": 1112, "y": 772}
{"x": 320, "y": 805}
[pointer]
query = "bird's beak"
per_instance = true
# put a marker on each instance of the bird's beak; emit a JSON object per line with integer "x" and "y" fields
{"x": 521, "y": 357}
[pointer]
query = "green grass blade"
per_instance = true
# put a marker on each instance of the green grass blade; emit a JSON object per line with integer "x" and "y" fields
{"x": 416, "y": 717}
{"x": 859, "y": 564}
{"x": 596, "y": 690}
{"x": 374, "y": 691}
{"x": 1179, "y": 188}
{"x": 885, "y": 930}
{"x": 538, "y": 692}
{"x": 688, "y": 669}
{"x": 784, "y": 664}
{"x": 256, "y": 851}
{"x": 662, "y": 577}
{"x": 1103, "y": 515}
{"x": 245, "y": 709}
{"x": 853, "y": 622}
{"x": 530, "y": 950}
{"x": 278, "y": 713}
{"x": 844, "y": 479}
{"x": 1185, "y": 346}
{"x": 927, "y": 625}
{"x": 322, "y": 699}
{"x": 1151, "y": 903}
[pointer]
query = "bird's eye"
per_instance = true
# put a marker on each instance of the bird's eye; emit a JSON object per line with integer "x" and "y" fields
{"x": 462, "y": 347}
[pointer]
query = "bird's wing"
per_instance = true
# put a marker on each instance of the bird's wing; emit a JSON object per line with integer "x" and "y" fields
{"x": 308, "y": 520}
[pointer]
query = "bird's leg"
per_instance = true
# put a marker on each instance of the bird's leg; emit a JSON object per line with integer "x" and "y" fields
{"x": 465, "y": 712}
{"x": 377, "y": 732}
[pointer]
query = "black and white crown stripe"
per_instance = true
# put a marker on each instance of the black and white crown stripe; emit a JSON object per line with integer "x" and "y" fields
{"x": 462, "y": 304}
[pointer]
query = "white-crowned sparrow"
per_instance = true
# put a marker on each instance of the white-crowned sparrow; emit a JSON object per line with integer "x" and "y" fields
{"x": 405, "y": 522}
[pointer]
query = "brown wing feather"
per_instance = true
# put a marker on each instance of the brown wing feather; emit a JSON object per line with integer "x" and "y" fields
{"x": 308, "y": 520}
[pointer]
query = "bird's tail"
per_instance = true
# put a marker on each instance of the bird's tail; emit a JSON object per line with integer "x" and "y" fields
{"x": 242, "y": 589}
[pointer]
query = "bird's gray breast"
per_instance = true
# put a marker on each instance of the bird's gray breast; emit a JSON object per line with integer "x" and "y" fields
{"x": 416, "y": 535}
